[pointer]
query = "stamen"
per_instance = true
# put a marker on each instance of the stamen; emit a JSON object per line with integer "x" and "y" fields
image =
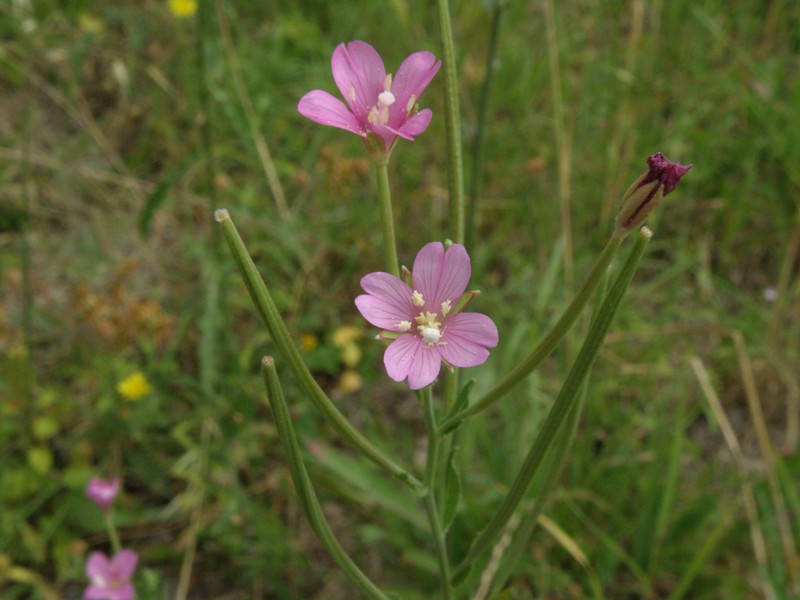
{"x": 417, "y": 299}
{"x": 373, "y": 116}
{"x": 411, "y": 102}
{"x": 387, "y": 83}
{"x": 351, "y": 94}
{"x": 446, "y": 307}
{"x": 404, "y": 325}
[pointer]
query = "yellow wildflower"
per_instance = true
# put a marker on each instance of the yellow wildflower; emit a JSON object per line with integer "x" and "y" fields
{"x": 183, "y": 8}
{"x": 350, "y": 382}
{"x": 308, "y": 341}
{"x": 350, "y": 354}
{"x": 89, "y": 23}
{"x": 344, "y": 335}
{"x": 134, "y": 386}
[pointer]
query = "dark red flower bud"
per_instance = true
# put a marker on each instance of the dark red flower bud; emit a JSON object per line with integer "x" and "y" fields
{"x": 647, "y": 192}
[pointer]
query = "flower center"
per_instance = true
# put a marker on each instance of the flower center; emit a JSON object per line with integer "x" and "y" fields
{"x": 379, "y": 113}
{"x": 429, "y": 328}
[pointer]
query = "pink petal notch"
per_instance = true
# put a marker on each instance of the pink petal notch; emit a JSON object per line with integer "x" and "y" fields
{"x": 377, "y": 107}
{"x": 424, "y": 320}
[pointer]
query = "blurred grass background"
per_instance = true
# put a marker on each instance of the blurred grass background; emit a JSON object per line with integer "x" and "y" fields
{"x": 123, "y": 126}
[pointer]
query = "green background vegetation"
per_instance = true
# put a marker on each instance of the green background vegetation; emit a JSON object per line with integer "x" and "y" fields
{"x": 122, "y": 127}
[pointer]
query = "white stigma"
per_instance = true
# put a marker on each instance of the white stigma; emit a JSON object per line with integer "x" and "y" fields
{"x": 385, "y": 99}
{"x": 431, "y": 335}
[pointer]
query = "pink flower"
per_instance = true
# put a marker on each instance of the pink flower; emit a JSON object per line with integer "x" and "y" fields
{"x": 425, "y": 319}
{"x": 110, "y": 579}
{"x": 377, "y": 103}
{"x": 102, "y": 492}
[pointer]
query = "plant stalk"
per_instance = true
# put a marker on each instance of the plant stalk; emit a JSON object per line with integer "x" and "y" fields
{"x": 387, "y": 218}
{"x": 569, "y": 394}
{"x": 455, "y": 167}
{"x": 268, "y": 310}
{"x": 548, "y": 343}
{"x": 305, "y": 489}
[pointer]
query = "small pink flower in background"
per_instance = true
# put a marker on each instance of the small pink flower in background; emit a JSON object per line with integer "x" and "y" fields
{"x": 110, "y": 579}
{"x": 103, "y": 493}
{"x": 425, "y": 321}
{"x": 376, "y": 102}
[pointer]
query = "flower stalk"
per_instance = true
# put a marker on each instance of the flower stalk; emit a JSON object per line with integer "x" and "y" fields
{"x": 547, "y": 344}
{"x": 268, "y": 310}
{"x": 455, "y": 166}
{"x": 431, "y": 503}
{"x": 304, "y": 487}
{"x": 561, "y": 408}
{"x": 387, "y": 217}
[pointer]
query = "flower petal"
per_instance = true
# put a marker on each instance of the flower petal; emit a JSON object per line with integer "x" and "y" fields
{"x": 359, "y": 67}
{"x": 413, "y": 77}
{"x": 95, "y": 592}
{"x": 388, "y": 134}
{"x": 425, "y": 368}
{"x": 321, "y": 107}
{"x": 416, "y": 125}
{"x": 387, "y": 302}
{"x": 409, "y": 357}
{"x": 125, "y": 592}
{"x": 441, "y": 275}
{"x": 97, "y": 566}
{"x": 124, "y": 562}
{"x": 467, "y": 337}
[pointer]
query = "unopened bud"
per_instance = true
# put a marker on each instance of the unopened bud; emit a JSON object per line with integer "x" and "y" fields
{"x": 647, "y": 192}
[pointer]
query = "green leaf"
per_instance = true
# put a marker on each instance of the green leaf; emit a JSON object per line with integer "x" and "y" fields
{"x": 44, "y": 428}
{"x": 452, "y": 491}
{"x": 460, "y": 404}
{"x": 345, "y": 471}
{"x": 40, "y": 460}
{"x": 156, "y": 199}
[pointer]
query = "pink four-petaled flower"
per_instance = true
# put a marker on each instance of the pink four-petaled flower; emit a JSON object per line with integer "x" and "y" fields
{"x": 425, "y": 319}
{"x": 376, "y": 102}
{"x": 102, "y": 492}
{"x": 110, "y": 579}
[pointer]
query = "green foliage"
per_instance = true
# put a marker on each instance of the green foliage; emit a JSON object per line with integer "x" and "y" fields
{"x": 105, "y": 172}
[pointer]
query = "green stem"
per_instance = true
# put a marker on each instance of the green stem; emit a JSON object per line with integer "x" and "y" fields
{"x": 268, "y": 310}
{"x": 563, "y": 141}
{"x": 116, "y": 546}
{"x": 551, "y": 471}
{"x": 431, "y": 506}
{"x": 201, "y": 28}
{"x": 455, "y": 168}
{"x": 483, "y": 110}
{"x": 305, "y": 489}
{"x": 548, "y": 342}
{"x": 385, "y": 197}
{"x": 562, "y": 406}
